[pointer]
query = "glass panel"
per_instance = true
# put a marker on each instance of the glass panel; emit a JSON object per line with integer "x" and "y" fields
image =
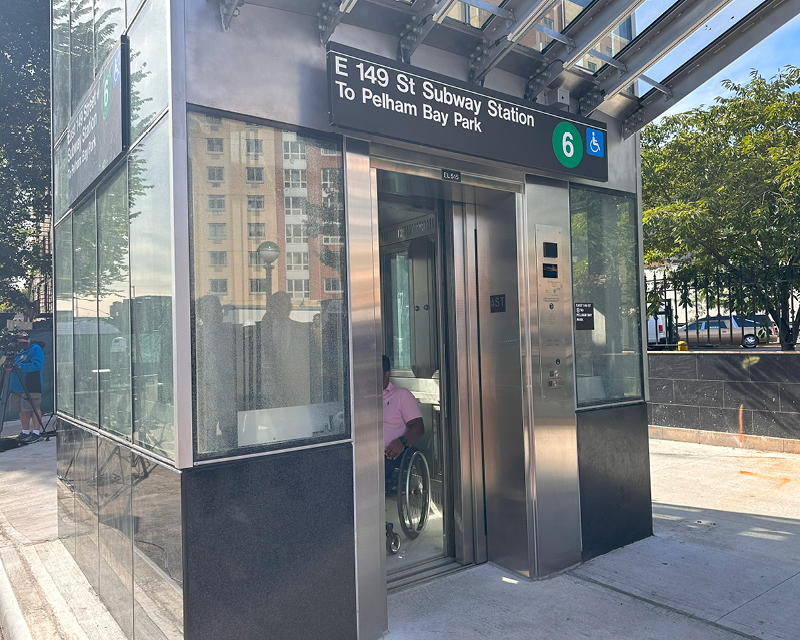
{"x": 151, "y": 291}
{"x": 65, "y": 373}
{"x": 132, "y": 6}
{"x": 472, "y": 15}
{"x": 109, "y": 23}
{"x": 114, "y": 305}
{"x": 558, "y": 18}
{"x": 647, "y": 13}
{"x": 149, "y": 71}
{"x": 61, "y": 106}
{"x": 609, "y": 45}
{"x": 65, "y": 470}
{"x": 608, "y": 359}
{"x": 84, "y": 269}
{"x": 86, "y": 522}
{"x": 115, "y": 537}
{"x": 726, "y": 19}
{"x": 81, "y": 49}
{"x": 158, "y": 558}
{"x": 397, "y": 293}
{"x": 270, "y": 345}
{"x": 61, "y": 179}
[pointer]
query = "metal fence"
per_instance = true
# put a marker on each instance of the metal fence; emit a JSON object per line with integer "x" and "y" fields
{"x": 725, "y": 308}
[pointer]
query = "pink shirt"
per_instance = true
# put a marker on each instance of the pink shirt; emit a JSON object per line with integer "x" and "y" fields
{"x": 399, "y": 408}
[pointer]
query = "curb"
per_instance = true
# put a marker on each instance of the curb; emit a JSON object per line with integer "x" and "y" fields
{"x": 11, "y": 620}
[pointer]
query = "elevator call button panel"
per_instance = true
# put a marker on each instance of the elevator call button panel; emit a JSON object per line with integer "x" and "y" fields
{"x": 554, "y": 322}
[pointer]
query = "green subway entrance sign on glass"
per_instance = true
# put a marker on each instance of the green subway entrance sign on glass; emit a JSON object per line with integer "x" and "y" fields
{"x": 97, "y": 134}
{"x": 395, "y": 100}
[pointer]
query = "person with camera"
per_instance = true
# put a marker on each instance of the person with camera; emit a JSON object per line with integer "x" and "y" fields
{"x": 30, "y": 360}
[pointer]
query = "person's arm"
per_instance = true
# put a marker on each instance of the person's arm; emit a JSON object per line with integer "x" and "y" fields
{"x": 415, "y": 429}
{"x": 33, "y": 361}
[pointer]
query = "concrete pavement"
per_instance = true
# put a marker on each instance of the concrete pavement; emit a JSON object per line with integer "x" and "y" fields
{"x": 724, "y": 564}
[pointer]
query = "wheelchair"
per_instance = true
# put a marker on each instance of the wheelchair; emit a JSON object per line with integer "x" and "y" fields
{"x": 411, "y": 483}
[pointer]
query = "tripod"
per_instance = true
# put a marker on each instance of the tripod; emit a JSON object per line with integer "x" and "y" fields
{"x": 10, "y": 368}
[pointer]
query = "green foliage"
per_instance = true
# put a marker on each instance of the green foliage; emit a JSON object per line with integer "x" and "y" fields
{"x": 721, "y": 189}
{"x": 25, "y": 198}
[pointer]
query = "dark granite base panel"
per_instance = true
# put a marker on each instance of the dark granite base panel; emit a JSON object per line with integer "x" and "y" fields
{"x": 270, "y": 547}
{"x": 614, "y": 468}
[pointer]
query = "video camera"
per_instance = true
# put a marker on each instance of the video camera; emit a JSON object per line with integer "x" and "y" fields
{"x": 10, "y": 339}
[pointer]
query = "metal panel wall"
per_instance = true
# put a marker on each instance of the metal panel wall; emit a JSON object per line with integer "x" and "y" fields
{"x": 505, "y": 456}
{"x": 363, "y": 254}
{"x": 550, "y": 388}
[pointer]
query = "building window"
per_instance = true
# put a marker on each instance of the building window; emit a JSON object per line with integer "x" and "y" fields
{"x": 549, "y": 24}
{"x": 258, "y": 285}
{"x": 254, "y": 146}
{"x": 330, "y": 187}
{"x": 298, "y": 289}
{"x": 218, "y": 258}
{"x": 254, "y": 259}
{"x": 218, "y": 285}
{"x": 609, "y": 52}
{"x": 293, "y": 206}
{"x": 217, "y": 230}
{"x": 216, "y": 174}
{"x": 215, "y": 122}
{"x": 592, "y": 66}
{"x": 214, "y": 145}
{"x": 255, "y": 203}
{"x": 255, "y": 174}
{"x": 331, "y": 240}
{"x": 294, "y": 179}
{"x": 328, "y": 151}
{"x": 333, "y": 285}
{"x": 293, "y": 151}
{"x": 297, "y": 261}
{"x": 296, "y": 234}
{"x": 256, "y": 230}
{"x": 216, "y": 203}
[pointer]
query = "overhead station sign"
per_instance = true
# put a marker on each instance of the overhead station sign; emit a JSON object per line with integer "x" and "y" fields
{"x": 380, "y": 96}
{"x": 96, "y": 134}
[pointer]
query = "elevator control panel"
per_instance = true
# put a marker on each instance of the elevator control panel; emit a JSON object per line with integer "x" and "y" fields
{"x": 554, "y": 321}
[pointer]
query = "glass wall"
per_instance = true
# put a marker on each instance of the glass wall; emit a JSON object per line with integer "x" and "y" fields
{"x": 149, "y": 66}
{"x": 65, "y": 373}
{"x": 269, "y": 330}
{"x": 605, "y": 273}
{"x": 149, "y": 200}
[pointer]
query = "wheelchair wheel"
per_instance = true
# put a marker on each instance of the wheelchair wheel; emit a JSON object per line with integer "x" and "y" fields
{"x": 392, "y": 542}
{"x": 413, "y": 492}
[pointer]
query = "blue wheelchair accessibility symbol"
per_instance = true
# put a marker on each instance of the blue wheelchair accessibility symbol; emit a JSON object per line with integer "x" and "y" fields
{"x": 116, "y": 72}
{"x": 595, "y": 142}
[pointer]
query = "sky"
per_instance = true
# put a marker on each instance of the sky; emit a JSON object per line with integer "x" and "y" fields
{"x": 767, "y": 57}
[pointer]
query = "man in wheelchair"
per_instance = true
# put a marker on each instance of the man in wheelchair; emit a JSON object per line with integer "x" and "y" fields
{"x": 402, "y": 421}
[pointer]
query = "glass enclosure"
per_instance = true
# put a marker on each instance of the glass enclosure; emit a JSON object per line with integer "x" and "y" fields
{"x": 269, "y": 312}
{"x": 608, "y": 358}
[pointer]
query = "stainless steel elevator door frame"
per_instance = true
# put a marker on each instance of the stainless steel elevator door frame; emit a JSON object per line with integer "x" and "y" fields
{"x": 462, "y": 376}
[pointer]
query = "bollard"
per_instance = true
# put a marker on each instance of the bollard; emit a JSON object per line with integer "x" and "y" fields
{"x": 682, "y": 346}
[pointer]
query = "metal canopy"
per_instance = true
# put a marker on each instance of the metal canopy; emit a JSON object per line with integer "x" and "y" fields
{"x": 497, "y": 43}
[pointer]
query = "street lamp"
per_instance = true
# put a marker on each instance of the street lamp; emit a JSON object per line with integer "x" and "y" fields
{"x": 268, "y": 253}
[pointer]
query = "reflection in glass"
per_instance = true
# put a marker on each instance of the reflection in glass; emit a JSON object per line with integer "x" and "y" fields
{"x": 61, "y": 179}
{"x": 609, "y": 46}
{"x": 61, "y": 106}
{"x": 270, "y": 345}
{"x": 84, "y": 269}
{"x": 114, "y": 305}
{"x": 65, "y": 373}
{"x": 151, "y": 291}
{"x": 81, "y": 49}
{"x": 158, "y": 555}
{"x": 109, "y": 23}
{"x": 149, "y": 71}
{"x": 86, "y": 523}
{"x": 115, "y": 532}
{"x": 557, "y": 19}
{"x": 65, "y": 492}
{"x": 605, "y": 272}
{"x": 398, "y": 322}
{"x": 472, "y": 16}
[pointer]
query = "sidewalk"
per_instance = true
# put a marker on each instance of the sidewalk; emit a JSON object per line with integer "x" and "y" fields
{"x": 724, "y": 564}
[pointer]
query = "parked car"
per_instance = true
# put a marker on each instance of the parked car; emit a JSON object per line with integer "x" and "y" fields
{"x": 749, "y": 332}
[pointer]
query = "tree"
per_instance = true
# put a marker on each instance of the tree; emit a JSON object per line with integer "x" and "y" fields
{"x": 721, "y": 190}
{"x": 25, "y": 198}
